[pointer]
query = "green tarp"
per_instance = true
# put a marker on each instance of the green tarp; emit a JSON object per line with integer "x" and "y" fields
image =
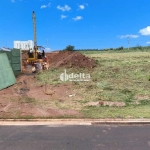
{"x": 7, "y": 77}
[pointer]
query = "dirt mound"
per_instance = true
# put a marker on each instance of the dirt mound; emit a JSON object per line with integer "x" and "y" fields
{"x": 70, "y": 59}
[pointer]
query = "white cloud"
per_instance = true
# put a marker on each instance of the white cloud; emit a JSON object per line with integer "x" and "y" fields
{"x": 77, "y": 18}
{"x": 128, "y": 36}
{"x": 145, "y": 31}
{"x": 65, "y": 8}
{"x": 45, "y": 6}
{"x": 63, "y": 16}
{"x": 147, "y": 42}
{"x": 81, "y": 7}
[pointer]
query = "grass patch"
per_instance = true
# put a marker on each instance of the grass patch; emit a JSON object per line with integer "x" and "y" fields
{"x": 145, "y": 102}
{"x": 119, "y": 77}
{"x": 52, "y": 76}
{"x": 117, "y": 112}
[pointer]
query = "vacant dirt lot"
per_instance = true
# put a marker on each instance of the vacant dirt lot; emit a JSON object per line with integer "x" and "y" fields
{"x": 118, "y": 88}
{"x": 28, "y": 99}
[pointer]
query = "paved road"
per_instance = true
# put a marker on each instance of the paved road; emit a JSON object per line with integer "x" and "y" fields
{"x": 74, "y": 137}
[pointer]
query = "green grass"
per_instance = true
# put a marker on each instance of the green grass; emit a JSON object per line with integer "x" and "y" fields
{"x": 52, "y": 76}
{"x": 49, "y": 77}
{"x": 119, "y": 77}
{"x": 141, "y": 111}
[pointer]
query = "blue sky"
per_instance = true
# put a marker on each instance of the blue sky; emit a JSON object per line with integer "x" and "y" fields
{"x": 86, "y": 24}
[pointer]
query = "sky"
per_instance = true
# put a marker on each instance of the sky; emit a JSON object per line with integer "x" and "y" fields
{"x": 85, "y": 24}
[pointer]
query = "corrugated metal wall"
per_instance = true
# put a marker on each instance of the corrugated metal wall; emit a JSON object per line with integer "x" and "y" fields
{"x": 14, "y": 57}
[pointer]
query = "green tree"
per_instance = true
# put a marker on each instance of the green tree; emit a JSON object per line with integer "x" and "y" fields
{"x": 121, "y": 48}
{"x": 69, "y": 48}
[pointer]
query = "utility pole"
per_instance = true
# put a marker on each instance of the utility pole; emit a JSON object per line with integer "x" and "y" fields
{"x": 128, "y": 42}
{"x": 34, "y": 25}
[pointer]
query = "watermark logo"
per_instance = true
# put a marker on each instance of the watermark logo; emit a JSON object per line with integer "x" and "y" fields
{"x": 74, "y": 77}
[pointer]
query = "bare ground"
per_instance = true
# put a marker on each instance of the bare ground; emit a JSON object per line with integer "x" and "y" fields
{"x": 28, "y": 99}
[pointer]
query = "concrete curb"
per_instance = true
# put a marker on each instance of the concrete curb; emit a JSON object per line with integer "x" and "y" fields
{"x": 27, "y": 122}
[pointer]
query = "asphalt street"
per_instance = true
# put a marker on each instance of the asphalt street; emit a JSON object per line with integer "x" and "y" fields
{"x": 53, "y": 137}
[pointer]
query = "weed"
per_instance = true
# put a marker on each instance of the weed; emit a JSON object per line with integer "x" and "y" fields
{"x": 145, "y": 102}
